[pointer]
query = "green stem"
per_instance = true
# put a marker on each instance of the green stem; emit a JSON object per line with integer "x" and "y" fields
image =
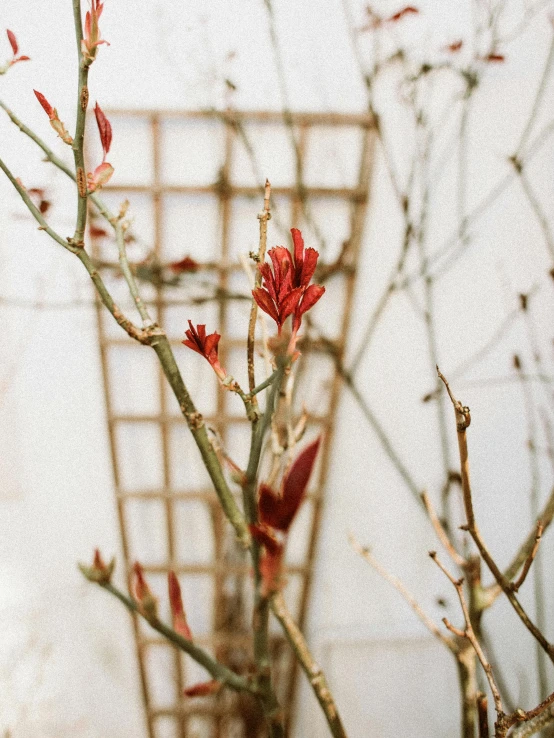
{"x": 315, "y": 675}
{"x": 35, "y": 212}
{"x": 215, "y": 668}
{"x": 55, "y": 160}
{"x": 260, "y": 621}
{"x": 263, "y": 385}
{"x": 195, "y": 422}
{"x": 128, "y": 274}
{"x": 79, "y": 137}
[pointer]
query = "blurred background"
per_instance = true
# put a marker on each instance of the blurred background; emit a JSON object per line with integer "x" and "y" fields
{"x": 442, "y": 160}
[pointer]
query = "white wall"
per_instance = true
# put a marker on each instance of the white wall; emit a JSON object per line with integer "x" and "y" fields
{"x": 67, "y": 659}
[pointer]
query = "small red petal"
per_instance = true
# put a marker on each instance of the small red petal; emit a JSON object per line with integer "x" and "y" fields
{"x": 298, "y": 246}
{"x": 495, "y": 58}
{"x": 311, "y": 296}
{"x": 13, "y": 41}
{"x": 265, "y": 303}
{"x": 203, "y": 689}
{"x": 289, "y": 304}
{"x": 308, "y": 267}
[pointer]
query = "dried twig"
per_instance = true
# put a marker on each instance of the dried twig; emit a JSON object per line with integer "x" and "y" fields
{"x": 431, "y": 626}
{"x": 463, "y": 419}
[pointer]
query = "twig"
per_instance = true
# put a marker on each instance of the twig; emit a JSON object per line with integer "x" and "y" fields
{"x": 441, "y": 533}
{"x": 366, "y": 554}
{"x": 315, "y": 675}
{"x": 263, "y": 217}
{"x": 530, "y": 558}
{"x": 79, "y": 137}
{"x": 463, "y": 420}
{"x": 219, "y": 671}
{"x": 127, "y": 272}
{"x": 482, "y": 710}
{"x": 469, "y": 633}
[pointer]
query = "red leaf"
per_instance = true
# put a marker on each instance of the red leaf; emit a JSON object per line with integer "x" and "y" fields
{"x": 187, "y": 264}
{"x": 180, "y": 624}
{"x": 264, "y": 536}
{"x": 495, "y": 58}
{"x": 454, "y": 47}
{"x": 104, "y": 128}
{"x": 13, "y": 41}
{"x": 297, "y": 478}
{"x": 45, "y": 104}
{"x": 271, "y": 569}
{"x": 408, "y": 10}
{"x": 203, "y": 689}
{"x": 278, "y": 511}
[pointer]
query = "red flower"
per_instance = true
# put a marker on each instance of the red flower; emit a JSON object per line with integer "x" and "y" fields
{"x": 91, "y": 37}
{"x": 286, "y": 288}
{"x": 276, "y": 513}
{"x": 15, "y": 48}
{"x": 55, "y": 122}
{"x": 206, "y": 346}
{"x": 180, "y": 624}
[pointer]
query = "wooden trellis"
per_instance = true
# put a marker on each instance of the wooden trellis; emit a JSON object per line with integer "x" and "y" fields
{"x": 195, "y": 189}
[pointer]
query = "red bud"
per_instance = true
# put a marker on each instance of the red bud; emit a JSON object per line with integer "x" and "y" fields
{"x": 180, "y": 624}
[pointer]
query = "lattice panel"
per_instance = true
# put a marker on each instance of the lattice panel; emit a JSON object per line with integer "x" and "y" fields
{"x": 195, "y": 183}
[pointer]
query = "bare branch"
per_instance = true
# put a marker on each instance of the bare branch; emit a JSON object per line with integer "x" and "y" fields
{"x": 431, "y": 626}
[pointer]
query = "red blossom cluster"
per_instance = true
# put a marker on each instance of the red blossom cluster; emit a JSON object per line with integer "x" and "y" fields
{"x": 276, "y": 511}
{"x": 206, "y": 346}
{"x": 286, "y": 288}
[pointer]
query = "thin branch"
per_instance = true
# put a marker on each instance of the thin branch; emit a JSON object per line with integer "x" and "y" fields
{"x": 530, "y": 558}
{"x": 35, "y": 212}
{"x": 442, "y": 535}
{"x": 217, "y": 670}
{"x": 263, "y": 217}
{"x": 482, "y": 714}
{"x": 79, "y": 137}
{"x": 126, "y": 269}
{"x": 315, "y": 675}
{"x": 431, "y": 626}
{"x": 469, "y": 633}
{"x": 463, "y": 420}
